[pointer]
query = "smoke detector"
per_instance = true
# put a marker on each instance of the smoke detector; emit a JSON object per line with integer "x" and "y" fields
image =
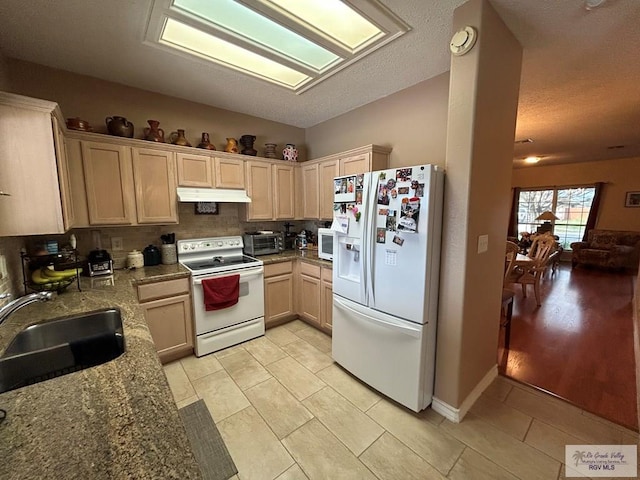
{"x": 463, "y": 41}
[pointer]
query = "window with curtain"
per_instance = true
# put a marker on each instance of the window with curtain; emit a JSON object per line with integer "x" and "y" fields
{"x": 570, "y": 204}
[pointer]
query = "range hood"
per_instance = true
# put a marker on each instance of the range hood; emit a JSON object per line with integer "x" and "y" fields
{"x": 212, "y": 195}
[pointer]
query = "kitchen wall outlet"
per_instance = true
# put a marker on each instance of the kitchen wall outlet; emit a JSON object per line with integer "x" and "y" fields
{"x": 116, "y": 244}
{"x": 483, "y": 243}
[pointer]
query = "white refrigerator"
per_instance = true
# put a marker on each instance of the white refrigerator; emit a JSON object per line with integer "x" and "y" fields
{"x": 386, "y": 266}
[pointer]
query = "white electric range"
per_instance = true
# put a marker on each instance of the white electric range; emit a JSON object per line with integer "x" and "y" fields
{"x": 218, "y": 257}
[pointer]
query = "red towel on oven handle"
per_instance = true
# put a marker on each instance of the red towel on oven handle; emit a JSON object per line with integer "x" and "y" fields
{"x": 221, "y": 292}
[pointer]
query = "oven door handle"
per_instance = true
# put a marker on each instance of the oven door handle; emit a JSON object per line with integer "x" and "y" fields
{"x": 243, "y": 275}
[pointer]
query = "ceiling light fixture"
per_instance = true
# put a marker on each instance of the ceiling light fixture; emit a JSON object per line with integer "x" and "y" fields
{"x": 290, "y": 43}
{"x": 532, "y": 159}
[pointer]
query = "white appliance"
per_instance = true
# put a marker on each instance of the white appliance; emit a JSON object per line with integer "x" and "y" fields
{"x": 219, "y": 257}
{"x": 386, "y": 265}
{"x": 325, "y": 243}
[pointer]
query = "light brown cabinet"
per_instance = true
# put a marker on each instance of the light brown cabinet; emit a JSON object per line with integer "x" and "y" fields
{"x": 309, "y": 293}
{"x": 64, "y": 176}
{"x": 328, "y": 170}
{"x": 31, "y": 158}
{"x": 229, "y": 173}
{"x": 155, "y": 185}
{"x": 278, "y": 293}
{"x": 310, "y": 191}
{"x": 326, "y": 299}
{"x": 271, "y": 188}
{"x": 167, "y": 310}
{"x": 109, "y": 183}
{"x": 194, "y": 170}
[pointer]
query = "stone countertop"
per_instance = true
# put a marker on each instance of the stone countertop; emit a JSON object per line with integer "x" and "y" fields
{"x": 305, "y": 255}
{"x": 115, "y": 420}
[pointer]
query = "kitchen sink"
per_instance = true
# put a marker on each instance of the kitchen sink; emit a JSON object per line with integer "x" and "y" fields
{"x": 62, "y": 345}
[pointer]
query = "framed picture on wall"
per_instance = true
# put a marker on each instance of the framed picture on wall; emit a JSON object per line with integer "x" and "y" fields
{"x": 632, "y": 199}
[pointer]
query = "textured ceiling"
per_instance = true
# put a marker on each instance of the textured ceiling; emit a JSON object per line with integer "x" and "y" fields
{"x": 579, "y": 94}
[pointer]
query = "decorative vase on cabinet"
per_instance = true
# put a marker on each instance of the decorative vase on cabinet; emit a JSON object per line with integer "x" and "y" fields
{"x": 232, "y": 146}
{"x": 247, "y": 142}
{"x": 290, "y": 153}
{"x": 205, "y": 143}
{"x": 178, "y": 138}
{"x": 153, "y": 133}
{"x": 270, "y": 150}
{"x": 119, "y": 126}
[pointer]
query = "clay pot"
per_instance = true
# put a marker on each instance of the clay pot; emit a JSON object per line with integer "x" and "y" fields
{"x": 119, "y": 126}
{"x": 247, "y": 142}
{"x": 178, "y": 138}
{"x": 153, "y": 133}
{"x": 270, "y": 150}
{"x": 232, "y": 145}
{"x": 204, "y": 143}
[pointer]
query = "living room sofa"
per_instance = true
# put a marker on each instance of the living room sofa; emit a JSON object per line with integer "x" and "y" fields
{"x": 608, "y": 249}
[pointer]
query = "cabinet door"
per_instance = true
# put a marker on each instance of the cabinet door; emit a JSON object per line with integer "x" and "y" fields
{"x": 310, "y": 192}
{"x": 229, "y": 173}
{"x": 169, "y": 321}
{"x": 64, "y": 175}
{"x": 328, "y": 170}
{"x": 195, "y": 170}
{"x": 326, "y": 310}
{"x": 283, "y": 188}
{"x": 309, "y": 299}
{"x": 278, "y": 298}
{"x": 259, "y": 188}
{"x": 154, "y": 179}
{"x": 109, "y": 183}
{"x": 355, "y": 164}
{"x": 30, "y": 203}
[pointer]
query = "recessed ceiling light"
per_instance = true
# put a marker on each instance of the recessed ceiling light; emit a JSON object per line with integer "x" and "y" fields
{"x": 532, "y": 159}
{"x": 290, "y": 43}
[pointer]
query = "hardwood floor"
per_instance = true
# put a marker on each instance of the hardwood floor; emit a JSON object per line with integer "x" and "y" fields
{"x": 579, "y": 344}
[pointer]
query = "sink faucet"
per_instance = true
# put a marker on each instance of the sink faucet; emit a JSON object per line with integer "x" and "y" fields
{"x": 20, "y": 302}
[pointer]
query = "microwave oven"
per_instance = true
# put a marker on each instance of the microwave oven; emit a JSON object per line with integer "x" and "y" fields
{"x": 325, "y": 243}
{"x": 256, "y": 243}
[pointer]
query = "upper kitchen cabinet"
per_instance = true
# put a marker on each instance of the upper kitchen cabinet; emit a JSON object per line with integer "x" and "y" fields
{"x": 31, "y": 157}
{"x": 364, "y": 159}
{"x": 154, "y": 180}
{"x": 328, "y": 170}
{"x": 229, "y": 173}
{"x": 271, "y": 189}
{"x": 310, "y": 191}
{"x": 109, "y": 183}
{"x": 195, "y": 171}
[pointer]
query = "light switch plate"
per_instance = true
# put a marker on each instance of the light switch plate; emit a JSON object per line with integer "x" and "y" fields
{"x": 483, "y": 243}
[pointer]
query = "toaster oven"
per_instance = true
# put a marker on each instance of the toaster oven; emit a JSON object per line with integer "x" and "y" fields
{"x": 262, "y": 243}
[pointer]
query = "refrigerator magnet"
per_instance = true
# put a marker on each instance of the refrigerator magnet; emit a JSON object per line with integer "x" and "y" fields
{"x": 403, "y": 190}
{"x": 359, "y": 180}
{"x": 420, "y": 190}
{"x": 359, "y": 196}
{"x": 409, "y": 214}
{"x": 383, "y": 211}
{"x": 403, "y": 174}
{"x": 383, "y": 195}
{"x": 391, "y": 183}
{"x": 391, "y": 221}
{"x": 381, "y": 234}
{"x": 397, "y": 240}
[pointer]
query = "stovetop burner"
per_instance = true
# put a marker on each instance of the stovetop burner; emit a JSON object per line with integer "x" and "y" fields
{"x": 214, "y": 255}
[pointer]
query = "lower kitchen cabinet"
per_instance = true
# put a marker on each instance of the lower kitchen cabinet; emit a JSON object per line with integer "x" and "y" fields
{"x": 167, "y": 310}
{"x": 326, "y": 299}
{"x": 309, "y": 293}
{"x": 278, "y": 293}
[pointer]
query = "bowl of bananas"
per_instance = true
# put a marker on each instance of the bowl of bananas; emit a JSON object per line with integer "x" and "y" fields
{"x": 48, "y": 279}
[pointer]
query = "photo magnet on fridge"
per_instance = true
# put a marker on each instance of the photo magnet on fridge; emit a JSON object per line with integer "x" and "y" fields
{"x": 403, "y": 190}
{"x": 403, "y": 174}
{"x": 381, "y": 234}
{"x": 409, "y": 213}
{"x": 383, "y": 194}
{"x": 397, "y": 240}
{"x": 360, "y": 180}
{"x": 391, "y": 221}
{"x": 359, "y": 196}
{"x": 383, "y": 211}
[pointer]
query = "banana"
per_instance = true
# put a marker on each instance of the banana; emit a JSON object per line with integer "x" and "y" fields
{"x": 38, "y": 278}
{"x": 60, "y": 275}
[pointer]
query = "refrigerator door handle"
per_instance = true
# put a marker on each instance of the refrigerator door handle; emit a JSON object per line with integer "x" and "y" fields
{"x": 405, "y": 329}
{"x": 369, "y": 236}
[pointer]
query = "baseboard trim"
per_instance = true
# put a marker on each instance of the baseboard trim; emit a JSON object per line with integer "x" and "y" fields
{"x": 457, "y": 414}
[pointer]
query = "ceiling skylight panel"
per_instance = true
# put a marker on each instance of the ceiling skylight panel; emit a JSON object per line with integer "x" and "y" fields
{"x": 236, "y": 18}
{"x": 194, "y": 41}
{"x": 334, "y": 18}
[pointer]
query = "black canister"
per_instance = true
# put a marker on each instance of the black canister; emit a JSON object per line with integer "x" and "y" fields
{"x": 151, "y": 256}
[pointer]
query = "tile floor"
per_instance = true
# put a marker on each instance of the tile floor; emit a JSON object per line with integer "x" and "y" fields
{"x": 286, "y": 411}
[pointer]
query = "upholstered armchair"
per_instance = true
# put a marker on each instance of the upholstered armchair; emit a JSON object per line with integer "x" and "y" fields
{"x": 609, "y": 249}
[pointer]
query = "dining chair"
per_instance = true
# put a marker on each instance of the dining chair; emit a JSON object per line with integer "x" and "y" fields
{"x": 541, "y": 249}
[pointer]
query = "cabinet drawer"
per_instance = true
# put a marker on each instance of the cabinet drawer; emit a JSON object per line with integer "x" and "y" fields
{"x": 327, "y": 274}
{"x": 169, "y": 288}
{"x": 310, "y": 269}
{"x": 275, "y": 269}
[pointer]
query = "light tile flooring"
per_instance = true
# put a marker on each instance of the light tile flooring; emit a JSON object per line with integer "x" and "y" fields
{"x": 286, "y": 411}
